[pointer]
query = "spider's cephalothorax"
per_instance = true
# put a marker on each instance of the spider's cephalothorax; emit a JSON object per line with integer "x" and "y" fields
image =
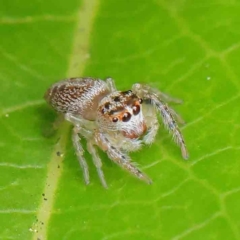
{"x": 116, "y": 121}
{"x": 121, "y": 111}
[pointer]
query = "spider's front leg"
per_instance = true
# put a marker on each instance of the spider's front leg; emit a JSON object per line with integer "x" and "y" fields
{"x": 119, "y": 157}
{"x": 152, "y": 96}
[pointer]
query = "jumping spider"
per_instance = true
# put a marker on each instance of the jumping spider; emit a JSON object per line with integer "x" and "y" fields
{"x": 118, "y": 122}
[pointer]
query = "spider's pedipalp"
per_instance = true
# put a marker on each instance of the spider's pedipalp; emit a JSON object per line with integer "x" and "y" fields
{"x": 151, "y": 95}
{"x": 152, "y": 132}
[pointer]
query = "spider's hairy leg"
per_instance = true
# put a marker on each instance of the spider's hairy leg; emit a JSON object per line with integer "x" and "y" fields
{"x": 124, "y": 161}
{"x": 110, "y": 82}
{"x": 79, "y": 152}
{"x": 167, "y": 98}
{"x": 117, "y": 156}
{"x": 77, "y": 120}
{"x": 85, "y": 126}
{"x": 97, "y": 162}
{"x": 177, "y": 116}
{"x": 150, "y": 94}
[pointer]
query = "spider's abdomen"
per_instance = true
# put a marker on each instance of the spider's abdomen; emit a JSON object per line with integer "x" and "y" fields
{"x": 77, "y": 95}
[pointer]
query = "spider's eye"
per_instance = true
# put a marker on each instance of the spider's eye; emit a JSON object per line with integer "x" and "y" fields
{"x": 126, "y": 117}
{"x": 116, "y": 99}
{"x": 127, "y": 92}
{"x": 115, "y": 119}
{"x": 107, "y": 105}
{"x": 136, "y": 109}
{"x": 140, "y": 100}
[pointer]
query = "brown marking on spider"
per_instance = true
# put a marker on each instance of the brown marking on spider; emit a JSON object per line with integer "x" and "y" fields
{"x": 118, "y": 122}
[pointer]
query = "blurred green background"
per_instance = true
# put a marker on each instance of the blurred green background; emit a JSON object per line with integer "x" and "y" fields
{"x": 189, "y": 49}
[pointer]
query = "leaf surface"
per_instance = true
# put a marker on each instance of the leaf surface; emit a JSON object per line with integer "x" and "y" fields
{"x": 187, "y": 49}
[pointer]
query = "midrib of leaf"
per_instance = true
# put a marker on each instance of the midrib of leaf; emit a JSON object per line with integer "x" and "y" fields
{"x": 77, "y": 63}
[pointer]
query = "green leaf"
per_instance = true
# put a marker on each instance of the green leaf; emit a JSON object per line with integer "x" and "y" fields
{"x": 187, "y": 49}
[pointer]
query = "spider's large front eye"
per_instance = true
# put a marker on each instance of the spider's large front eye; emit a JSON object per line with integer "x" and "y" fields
{"x": 136, "y": 109}
{"x": 126, "y": 117}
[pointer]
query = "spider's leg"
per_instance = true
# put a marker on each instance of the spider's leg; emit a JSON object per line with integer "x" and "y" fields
{"x": 149, "y": 94}
{"x": 167, "y": 98}
{"x": 121, "y": 158}
{"x": 176, "y": 116}
{"x": 79, "y": 152}
{"x": 111, "y": 84}
{"x": 97, "y": 162}
{"x": 124, "y": 161}
{"x": 172, "y": 126}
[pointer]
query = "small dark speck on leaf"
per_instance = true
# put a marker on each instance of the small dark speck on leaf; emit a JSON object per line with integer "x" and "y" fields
{"x": 45, "y": 199}
{"x": 43, "y": 194}
{"x": 59, "y": 154}
{"x": 58, "y": 166}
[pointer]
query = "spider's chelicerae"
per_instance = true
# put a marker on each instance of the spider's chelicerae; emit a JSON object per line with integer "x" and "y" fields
{"x": 118, "y": 122}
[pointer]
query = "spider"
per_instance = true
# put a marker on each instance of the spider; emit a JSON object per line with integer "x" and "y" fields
{"x": 118, "y": 122}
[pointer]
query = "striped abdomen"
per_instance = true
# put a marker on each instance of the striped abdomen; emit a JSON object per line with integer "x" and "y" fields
{"x": 79, "y": 96}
